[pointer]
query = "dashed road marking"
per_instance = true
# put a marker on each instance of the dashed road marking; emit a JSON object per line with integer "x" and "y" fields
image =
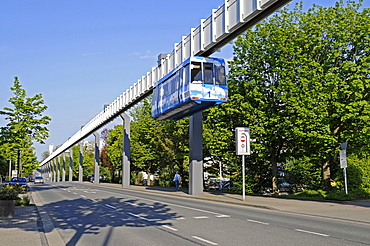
{"x": 110, "y": 206}
{"x": 201, "y": 217}
{"x": 204, "y": 240}
{"x": 258, "y": 222}
{"x": 314, "y": 233}
{"x": 143, "y": 218}
{"x": 178, "y": 218}
{"x": 169, "y": 227}
{"x": 223, "y": 216}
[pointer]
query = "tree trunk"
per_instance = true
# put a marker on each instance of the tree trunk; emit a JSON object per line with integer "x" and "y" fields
{"x": 19, "y": 163}
{"x": 274, "y": 173}
{"x": 326, "y": 174}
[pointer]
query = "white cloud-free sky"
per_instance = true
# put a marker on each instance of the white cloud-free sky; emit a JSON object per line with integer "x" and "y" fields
{"x": 83, "y": 54}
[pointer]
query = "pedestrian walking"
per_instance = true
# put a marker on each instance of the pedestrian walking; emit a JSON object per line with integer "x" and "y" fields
{"x": 177, "y": 179}
{"x": 145, "y": 178}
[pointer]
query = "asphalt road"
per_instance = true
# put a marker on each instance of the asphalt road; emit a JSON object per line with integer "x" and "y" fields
{"x": 85, "y": 214}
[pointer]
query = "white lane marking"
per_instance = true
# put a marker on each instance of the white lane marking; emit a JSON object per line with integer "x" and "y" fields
{"x": 132, "y": 204}
{"x": 73, "y": 218}
{"x": 201, "y": 217}
{"x": 204, "y": 240}
{"x": 74, "y": 193}
{"x": 169, "y": 227}
{"x": 146, "y": 206}
{"x": 89, "y": 191}
{"x": 83, "y": 196}
{"x": 258, "y": 222}
{"x": 152, "y": 219}
{"x": 136, "y": 215}
{"x": 143, "y": 218}
{"x": 179, "y": 218}
{"x": 171, "y": 204}
{"x": 140, "y": 206}
{"x": 223, "y": 216}
{"x": 110, "y": 206}
{"x": 311, "y": 232}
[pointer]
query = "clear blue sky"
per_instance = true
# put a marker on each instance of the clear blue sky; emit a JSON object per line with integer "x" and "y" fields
{"x": 83, "y": 54}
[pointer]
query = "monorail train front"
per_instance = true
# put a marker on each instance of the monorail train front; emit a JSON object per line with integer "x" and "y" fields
{"x": 195, "y": 85}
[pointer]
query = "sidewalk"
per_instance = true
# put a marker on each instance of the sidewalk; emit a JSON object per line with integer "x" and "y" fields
{"x": 32, "y": 224}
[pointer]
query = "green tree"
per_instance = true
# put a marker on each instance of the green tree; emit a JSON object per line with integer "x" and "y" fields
{"x": 159, "y": 146}
{"x": 114, "y": 147}
{"x": 300, "y": 82}
{"x": 44, "y": 155}
{"x": 104, "y": 158}
{"x": 26, "y": 122}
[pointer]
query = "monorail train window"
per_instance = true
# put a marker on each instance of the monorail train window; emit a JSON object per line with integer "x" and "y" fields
{"x": 208, "y": 73}
{"x": 186, "y": 75}
{"x": 174, "y": 82}
{"x": 196, "y": 71}
{"x": 220, "y": 75}
{"x": 165, "y": 88}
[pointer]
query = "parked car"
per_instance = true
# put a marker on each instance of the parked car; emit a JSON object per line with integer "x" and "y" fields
{"x": 220, "y": 185}
{"x": 285, "y": 188}
{"x": 101, "y": 178}
{"x": 19, "y": 181}
{"x": 39, "y": 180}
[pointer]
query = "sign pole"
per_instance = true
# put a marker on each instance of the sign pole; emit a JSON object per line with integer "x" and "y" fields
{"x": 243, "y": 174}
{"x": 343, "y": 163}
{"x": 345, "y": 179}
{"x": 243, "y": 148}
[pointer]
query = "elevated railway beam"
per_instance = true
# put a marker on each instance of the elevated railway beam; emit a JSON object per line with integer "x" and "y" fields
{"x": 224, "y": 24}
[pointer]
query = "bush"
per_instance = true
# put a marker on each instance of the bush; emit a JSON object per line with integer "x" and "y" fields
{"x": 358, "y": 173}
{"x": 24, "y": 201}
{"x": 311, "y": 194}
{"x": 340, "y": 195}
{"x": 8, "y": 194}
{"x": 17, "y": 188}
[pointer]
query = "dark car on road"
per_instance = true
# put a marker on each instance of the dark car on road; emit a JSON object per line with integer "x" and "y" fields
{"x": 101, "y": 178}
{"x": 19, "y": 181}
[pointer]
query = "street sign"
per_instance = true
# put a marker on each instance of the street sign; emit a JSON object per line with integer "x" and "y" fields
{"x": 242, "y": 141}
{"x": 343, "y": 159}
{"x": 14, "y": 173}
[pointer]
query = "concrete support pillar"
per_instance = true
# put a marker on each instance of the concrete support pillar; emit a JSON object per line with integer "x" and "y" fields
{"x": 126, "y": 151}
{"x": 55, "y": 170}
{"x": 58, "y": 171}
{"x": 50, "y": 171}
{"x": 80, "y": 168}
{"x": 196, "y": 155}
{"x": 64, "y": 167}
{"x": 97, "y": 158}
{"x": 70, "y": 173}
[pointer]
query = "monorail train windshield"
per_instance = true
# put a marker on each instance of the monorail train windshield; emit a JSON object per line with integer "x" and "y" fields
{"x": 195, "y": 85}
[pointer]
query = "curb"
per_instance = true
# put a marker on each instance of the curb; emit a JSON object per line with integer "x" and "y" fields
{"x": 51, "y": 234}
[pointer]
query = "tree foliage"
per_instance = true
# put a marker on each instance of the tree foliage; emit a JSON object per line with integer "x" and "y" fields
{"x": 300, "y": 82}
{"x": 158, "y": 146}
{"x": 26, "y": 123}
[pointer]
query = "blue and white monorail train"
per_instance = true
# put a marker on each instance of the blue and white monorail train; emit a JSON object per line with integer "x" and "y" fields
{"x": 195, "y": 85}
